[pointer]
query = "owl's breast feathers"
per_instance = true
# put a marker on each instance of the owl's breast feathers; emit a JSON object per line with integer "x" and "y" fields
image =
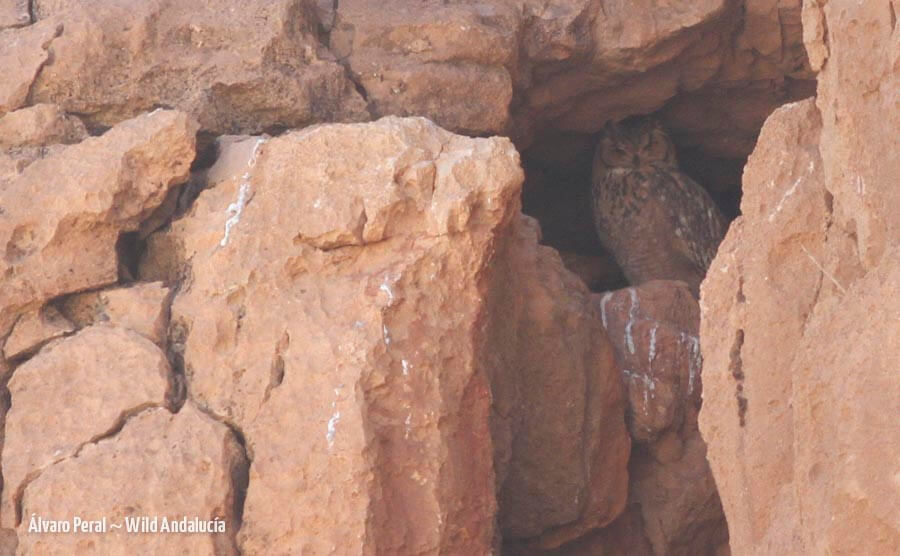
{"x": 658, "y": 201}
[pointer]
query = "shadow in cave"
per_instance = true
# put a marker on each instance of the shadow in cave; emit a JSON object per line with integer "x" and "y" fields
{"x": 557, "y": 192}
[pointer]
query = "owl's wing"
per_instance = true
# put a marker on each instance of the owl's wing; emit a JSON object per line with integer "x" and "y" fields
{"x": 696, "y": 221}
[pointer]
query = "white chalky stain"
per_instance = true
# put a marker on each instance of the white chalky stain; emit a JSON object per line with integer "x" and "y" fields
{"x": 387, "y": 336}
{"x": 652, "y": 353}
{"x": 648, "y": 382}
{"x": 788, "y": 193}
{"x": 408, "y": 425}
{"x": 387, "y": 289}
{"x": 606, "y": 297}
{"x": 629, "y": 338}
{"x": 695, "y": 362}
{"x": 335, "y": 419}
{"x": 235, "y": 209}
{"x": 406, "y": 367}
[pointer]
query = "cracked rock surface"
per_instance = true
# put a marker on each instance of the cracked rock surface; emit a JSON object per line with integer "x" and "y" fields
{"x": 159, "y": 465}
{"x": 801, "y": 321}
{"x": 99, "y": 377}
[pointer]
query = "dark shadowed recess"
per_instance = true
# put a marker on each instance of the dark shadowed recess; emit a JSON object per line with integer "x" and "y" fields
{"x": 557, "y": 193}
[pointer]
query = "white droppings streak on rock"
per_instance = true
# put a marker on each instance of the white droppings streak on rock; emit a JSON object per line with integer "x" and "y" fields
{"x": 788, "y": 193}
{"x": 335, "y": 418}
{"x": 407, "y": 426}
{"x": 236, "y": 208}
{"x": 695, "y": 361}
{"x": 603, "y": 302}
{"x": 648, "y": 382}
{"x": 629, "y": 337}
{"x": 652, "y": 351}
{"x": 406, "y": 367}
{"x": 386, "y": 334}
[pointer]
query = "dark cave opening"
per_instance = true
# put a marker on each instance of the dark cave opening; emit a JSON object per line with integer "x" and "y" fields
{"x": 557, "y": 192}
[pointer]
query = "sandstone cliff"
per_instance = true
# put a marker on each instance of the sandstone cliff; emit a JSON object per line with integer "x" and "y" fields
{"x": 266, "y": 265}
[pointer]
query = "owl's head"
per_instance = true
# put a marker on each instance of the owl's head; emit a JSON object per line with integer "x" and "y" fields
{"x": 636, "y": 143}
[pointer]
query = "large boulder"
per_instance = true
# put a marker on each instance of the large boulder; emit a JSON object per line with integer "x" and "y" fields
{"x": 801, "y": 319}
{"x": 61, "y": 217}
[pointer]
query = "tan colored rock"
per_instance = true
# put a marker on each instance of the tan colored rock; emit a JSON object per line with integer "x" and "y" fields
{"x": 653, "y": 328}
{"x": 159, "y": 465}
{"x": 448, "y": 62}
{"x": 14, "y": 13}
{"x": 33, "y": 329}
{"x": 304, "y": 273}
{"x": 686, "y": 55}
{"x": 62, "y": 216}
{"x": 142, "y": 307}
{"x": 235, "y": 67}
{"x": 8, "y": 542}
{"x": 561, "y": 447}
{"x": 99, "y": 377}
{"x": 23, "y": 52}
{"x": 40, "y": 125}
{"x": 801, "y": 395}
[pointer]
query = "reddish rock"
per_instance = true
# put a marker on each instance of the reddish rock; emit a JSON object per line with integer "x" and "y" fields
{"x": 390, "y": 450}
{"x": 33, "y": 329}
{"x": 560, "y": 444}
{"x": 62, "y": 216}
{"x": 799, "y": 409}
{"x": 97, "y": 379}
{"x": 40, "y": 125}
{"x": 449, "y": 62}
{"x": 143, "y": 308}
{"x": 233, "y": 66}
{"x": 159, "y": 465}
{"x": 23, "y": 52}
{"x": 654, "y": 330}
{"x": 14, "y": 13}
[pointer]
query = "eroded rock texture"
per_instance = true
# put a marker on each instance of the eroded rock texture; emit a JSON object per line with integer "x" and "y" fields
{"x": 673, "y": 504}
{"x": 233, "y": 66}
{"x": 61, "y": 217}
{"x": 800, "y": 323}
{"x": 383, "y": 308}
{"x": 512, "y": 67}
{"x": 159, "y": 465}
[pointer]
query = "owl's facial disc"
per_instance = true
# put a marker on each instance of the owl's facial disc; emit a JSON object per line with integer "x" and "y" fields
{"x": 617, "y": 152}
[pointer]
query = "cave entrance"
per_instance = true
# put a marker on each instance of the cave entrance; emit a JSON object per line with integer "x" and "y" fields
{"x": 557, "y": 192}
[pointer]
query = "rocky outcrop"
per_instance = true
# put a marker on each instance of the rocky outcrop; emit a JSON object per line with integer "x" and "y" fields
{"x": 61, "y": 217}
{"x": 186, "y": 469}
{"x": 556, "y": 390}
{"x": 101, "y": 376}
{"x": 142, "y": 307}
{"x": 673, "y": 502}
{"x": 331, "y": 336}
{"x": 232, "y": 66}
{"x": 512, "y": 67}
{"x": 397, "y": 378}
{"x": 14, "y": 13}
{"x": 800, "y": 317}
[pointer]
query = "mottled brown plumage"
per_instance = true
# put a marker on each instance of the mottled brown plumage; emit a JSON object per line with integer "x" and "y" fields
{"x": 656, "y": 221}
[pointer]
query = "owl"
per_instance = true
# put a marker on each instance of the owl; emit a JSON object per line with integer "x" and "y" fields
{"x": 657, "y": 222}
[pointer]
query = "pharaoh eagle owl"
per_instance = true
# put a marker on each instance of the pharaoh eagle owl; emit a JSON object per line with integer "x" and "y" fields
{"x": 658, "y": 223}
